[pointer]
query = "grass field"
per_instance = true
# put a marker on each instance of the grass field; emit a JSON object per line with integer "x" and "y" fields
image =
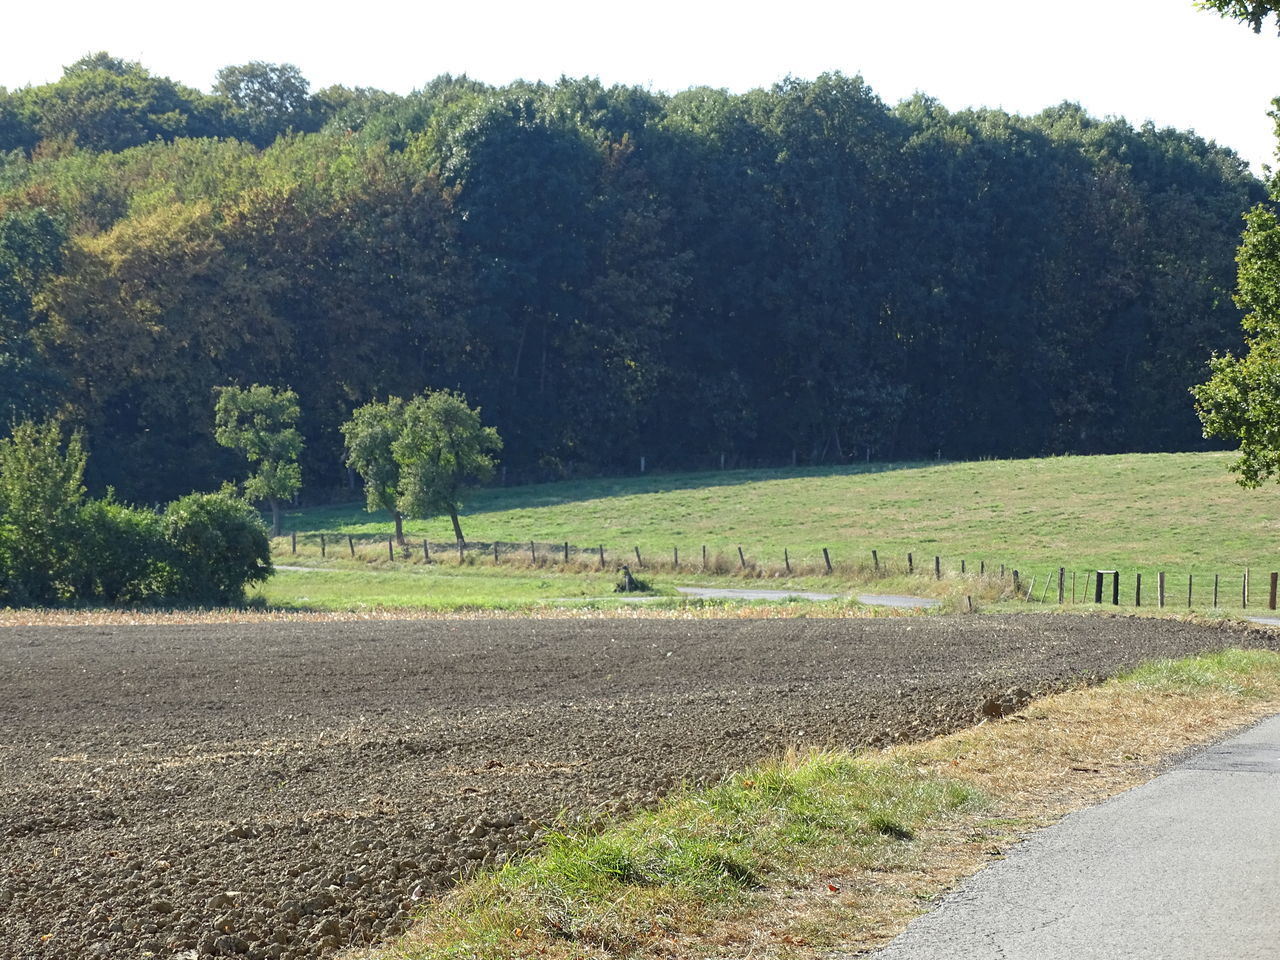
{"x": 1180, "y": 513}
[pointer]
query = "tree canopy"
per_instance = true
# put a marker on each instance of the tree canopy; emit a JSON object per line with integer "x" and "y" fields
{"x": 1252, "y": 12}
{"x": 442, "y": 449}
{"x": 261, "y": 422}
{"x": 802, "y": 273}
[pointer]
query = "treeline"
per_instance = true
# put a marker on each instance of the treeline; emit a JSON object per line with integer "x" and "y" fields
{"x": 609, "y": 273}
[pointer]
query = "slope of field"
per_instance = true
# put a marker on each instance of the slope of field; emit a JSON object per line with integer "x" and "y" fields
{"x": 1180, "y": 512}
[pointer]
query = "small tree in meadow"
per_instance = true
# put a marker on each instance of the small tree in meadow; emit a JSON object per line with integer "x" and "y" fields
{"x": 442, "y": 449}
{"x": 369, "y": 435}
{"x": 261, "y": 422}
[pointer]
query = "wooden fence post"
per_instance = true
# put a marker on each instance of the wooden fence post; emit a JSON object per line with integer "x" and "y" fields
{"x": 602, "y": 556}
{"x": 1002, "y": 571}
{"x": 1160, "y": 588}
{"x": 391, "y": 549}
{"x": 1244, "y": 590}
{"x": 1115, "y": 588}
{"x": 1030, "y": 589}
{"x": 742, "y": 560}
{"x": 827, "y": 557}
{"x": 875, "y": 561}
{"x": 639, "y": 562}
{"x": 1016, "y": 585}
{"x": 1048, "y": 582}
{"x": 982, "y": 568}
{"x": 295, "y": 541}
{"x": 786, "y": 558}
{"x": 704, "y": 556}
{"x": 963, "y": 571}
{"x": 1272, "y": 604}
{"x": 1137, "y": 590}
{"x": 566, "y": 551}
{"x": 1189, "y": 591}
{"x": 937, "y": 568}
{"x": 675, "y": 557}
{"x": 1215, "y": 591}
{"x": 426, "y": 552}
{"x": 495, "y": 551}
{"x": 911, "y": 564}
{"x": 533, "y": 552}
{"x": 322, "y": 545}
{"x": 1097, "y": 587}
{"x": 351, "y": 545}
{"x": 1062, "y": 585}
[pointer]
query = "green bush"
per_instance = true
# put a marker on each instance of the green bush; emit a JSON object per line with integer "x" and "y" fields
{"x": 40, "y": 498}
{"x": 216, "y": 545}
{"x": 57, "y": 548}
{"x": 121, "y": 553}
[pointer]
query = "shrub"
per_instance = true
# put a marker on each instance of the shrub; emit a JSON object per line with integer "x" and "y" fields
{"x": 120, "y": 553}
{"x": 215, "y": 546}
{"x": 40, "y": 497}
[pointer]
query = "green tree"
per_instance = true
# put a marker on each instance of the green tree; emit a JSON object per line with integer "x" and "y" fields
{"x": 1252, "y": 12}
{"x": 442, "y": 449}
{"x": 261, "y": 422}
{"x": 370, "y": 434}
{"x": 267, "y": 99}
{"x": 1241, "y": 401}
{"x": 41, "y": 493}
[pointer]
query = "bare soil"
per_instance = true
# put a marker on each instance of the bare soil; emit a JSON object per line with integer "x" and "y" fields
{"x": 284, "y": 789}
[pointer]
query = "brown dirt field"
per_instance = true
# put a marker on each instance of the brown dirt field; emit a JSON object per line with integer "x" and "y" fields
{"x": 284, "y": 789}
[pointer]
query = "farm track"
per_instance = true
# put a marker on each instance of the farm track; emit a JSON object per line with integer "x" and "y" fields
{"x": 283, "y": 789}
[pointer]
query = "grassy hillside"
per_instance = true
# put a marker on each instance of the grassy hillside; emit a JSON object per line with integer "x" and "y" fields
{"x": 1178, "y": 511}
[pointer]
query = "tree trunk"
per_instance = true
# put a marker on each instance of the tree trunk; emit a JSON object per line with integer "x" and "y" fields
{"x": 275, "y": 517}
{"x": 457, "y": 529}
{"x": 399, "y": 526}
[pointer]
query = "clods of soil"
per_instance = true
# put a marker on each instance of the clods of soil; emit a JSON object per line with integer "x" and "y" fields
{"x": 282, "y": 790}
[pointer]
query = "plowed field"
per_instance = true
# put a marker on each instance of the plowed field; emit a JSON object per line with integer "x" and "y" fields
{"x": 279, "y": 790}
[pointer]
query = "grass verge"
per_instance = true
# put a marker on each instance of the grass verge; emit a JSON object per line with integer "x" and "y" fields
{"x": 823, "y": 850}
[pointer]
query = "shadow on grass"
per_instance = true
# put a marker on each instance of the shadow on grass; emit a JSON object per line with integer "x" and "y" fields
{"x": 561, "y": 492}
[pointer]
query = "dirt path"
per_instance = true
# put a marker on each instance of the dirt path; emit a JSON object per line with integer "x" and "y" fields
{"x": 278, "y": 790}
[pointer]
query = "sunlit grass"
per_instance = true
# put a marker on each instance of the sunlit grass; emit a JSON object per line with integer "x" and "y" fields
{"x": 616, "y": 890}
{"x": 1182, "y": 513}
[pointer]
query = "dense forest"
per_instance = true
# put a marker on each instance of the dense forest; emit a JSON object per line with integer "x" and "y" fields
{"x": 802, "y": 272}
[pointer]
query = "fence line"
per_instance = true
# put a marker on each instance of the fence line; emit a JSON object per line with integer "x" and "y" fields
{"x": 1124, "y": 584}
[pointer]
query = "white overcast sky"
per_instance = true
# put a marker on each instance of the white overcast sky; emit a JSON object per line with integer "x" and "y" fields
{"x": 1158, "y": 60}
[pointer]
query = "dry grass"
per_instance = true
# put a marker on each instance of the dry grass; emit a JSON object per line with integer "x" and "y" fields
{"x": 1059, "y": 755}
{"x": 690, "y": 610}
{"x": 827, "y": 900}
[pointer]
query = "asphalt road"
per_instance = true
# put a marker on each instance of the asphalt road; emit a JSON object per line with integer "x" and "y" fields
{"x": 1182, "y": 868}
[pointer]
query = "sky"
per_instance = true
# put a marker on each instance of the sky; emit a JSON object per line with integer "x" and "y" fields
{"x": 1160, "y": 60}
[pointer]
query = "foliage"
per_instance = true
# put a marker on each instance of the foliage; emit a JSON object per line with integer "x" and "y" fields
{"x": 442, "y": 449}
{"x": 1252, "y": 12}
{"x": 217, "y": 546}
{"x": 821, "y": 277}
{"x": 58, "y": 548}
{"x": 1241, "y": 401}
{"x": 121, "y": 558}
{"x": 370, "y": 434}
{"x": 41, "y": 494}
{"x": 267, "y": 99}
{"x": 260, "y": 422}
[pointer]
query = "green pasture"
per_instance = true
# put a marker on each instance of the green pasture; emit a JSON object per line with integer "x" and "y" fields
{"x": 1178, "y": 513}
